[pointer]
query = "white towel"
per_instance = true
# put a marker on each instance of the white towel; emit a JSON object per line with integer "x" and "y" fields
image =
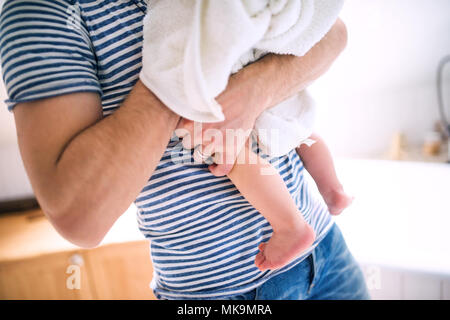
{"x": 192, "y": 46}
{"x": 286, "y": 126}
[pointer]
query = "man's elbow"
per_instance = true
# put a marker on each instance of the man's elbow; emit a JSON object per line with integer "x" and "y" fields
{"x": 74, "y": 226}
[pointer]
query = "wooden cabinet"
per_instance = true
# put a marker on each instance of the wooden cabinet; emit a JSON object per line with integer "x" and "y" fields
{"x": 36, "y": 263}
{"x": 125, "y": 271}
{"x": 42, "y": 277}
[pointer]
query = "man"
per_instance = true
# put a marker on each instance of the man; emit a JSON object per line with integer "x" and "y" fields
{"x": 94, "y": 139}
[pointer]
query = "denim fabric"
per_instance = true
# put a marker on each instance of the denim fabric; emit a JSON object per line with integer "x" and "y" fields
{"x": 329, "y": 273}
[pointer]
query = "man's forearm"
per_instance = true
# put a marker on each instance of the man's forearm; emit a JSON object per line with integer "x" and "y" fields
{"x": 279, "y": 77}
{"x": 105, "y": 167}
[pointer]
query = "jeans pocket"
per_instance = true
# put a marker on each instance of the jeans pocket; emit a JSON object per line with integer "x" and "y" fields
{"x": 291, "y": 284}
{"x": 313, "y": 273}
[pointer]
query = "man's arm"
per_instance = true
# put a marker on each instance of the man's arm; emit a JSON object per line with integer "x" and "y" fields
{"x": 289, "y": 74}
{"x": 86, "y": 171}
{"x": 262, "y": 85}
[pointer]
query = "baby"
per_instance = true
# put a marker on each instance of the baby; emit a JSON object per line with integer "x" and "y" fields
{"x": 260, "y": 183}
{"x": 190, "y": 50}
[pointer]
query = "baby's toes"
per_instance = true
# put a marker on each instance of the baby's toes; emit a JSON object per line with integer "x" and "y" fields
{"x": 266, "y": 265}
{"x": 261, "y": 246}
{"x": 259, "y": 259}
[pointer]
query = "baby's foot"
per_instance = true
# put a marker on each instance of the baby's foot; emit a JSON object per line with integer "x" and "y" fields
{"x": 337, "y": 200}
{"x": 284, "y": 246}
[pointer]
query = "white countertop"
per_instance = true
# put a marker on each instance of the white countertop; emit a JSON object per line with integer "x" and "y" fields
{"x": 401, "y": 214}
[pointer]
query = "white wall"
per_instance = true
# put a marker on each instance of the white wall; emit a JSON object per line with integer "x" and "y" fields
{"x": 13, "y": 179}
{"x": 384, "y": 82}
{"x": 7, "y": 127}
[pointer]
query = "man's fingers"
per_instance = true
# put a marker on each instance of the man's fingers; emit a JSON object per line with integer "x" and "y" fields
{"x": 191, "y": 132}
{"x": 220, "y": 170}
{"x": 203, "y": 154}
{"x": 188, "y": 142}
{"x": 181, "y": 132}
{"x": 209, "y": 149}
{"x": 186, "y": 124}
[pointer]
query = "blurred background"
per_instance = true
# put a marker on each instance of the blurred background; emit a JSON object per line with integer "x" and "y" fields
{"x": 379, "y": 113}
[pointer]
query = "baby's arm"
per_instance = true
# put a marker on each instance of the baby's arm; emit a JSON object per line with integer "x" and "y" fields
{"x": 318, "y": 161}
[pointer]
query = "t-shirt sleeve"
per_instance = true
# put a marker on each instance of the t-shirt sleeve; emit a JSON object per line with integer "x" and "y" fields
{"x": 45, "y": 50}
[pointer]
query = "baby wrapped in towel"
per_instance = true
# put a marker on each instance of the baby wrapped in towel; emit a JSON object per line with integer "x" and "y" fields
{"x": 191, "y": 47}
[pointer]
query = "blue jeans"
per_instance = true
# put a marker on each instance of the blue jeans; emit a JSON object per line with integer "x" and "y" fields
{"x": 329, "y": 273}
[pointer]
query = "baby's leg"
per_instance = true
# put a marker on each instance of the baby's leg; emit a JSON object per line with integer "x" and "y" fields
{"x": 319, "y": 163}
{"x": 269, "y": 195}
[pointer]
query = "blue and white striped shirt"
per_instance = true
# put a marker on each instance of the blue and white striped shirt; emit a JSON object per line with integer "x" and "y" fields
{"x": 204, "y": 234}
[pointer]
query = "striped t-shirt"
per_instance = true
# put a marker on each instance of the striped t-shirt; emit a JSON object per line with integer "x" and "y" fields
{"x": 203, "y": 234}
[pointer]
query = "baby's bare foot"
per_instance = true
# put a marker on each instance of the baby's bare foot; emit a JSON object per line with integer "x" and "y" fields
{"x": 284, "y": 246}
{"x": 337, "y": 200}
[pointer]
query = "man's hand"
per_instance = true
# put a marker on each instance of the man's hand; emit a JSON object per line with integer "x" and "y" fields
{"x": 254, "y": 89}
{"x": 225, "y": 139}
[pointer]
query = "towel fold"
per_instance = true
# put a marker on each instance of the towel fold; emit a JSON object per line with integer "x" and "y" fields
{"x": 192, "y": 46}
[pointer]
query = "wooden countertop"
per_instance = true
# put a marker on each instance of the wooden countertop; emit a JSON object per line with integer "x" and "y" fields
{"x": 29, "y": 234}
